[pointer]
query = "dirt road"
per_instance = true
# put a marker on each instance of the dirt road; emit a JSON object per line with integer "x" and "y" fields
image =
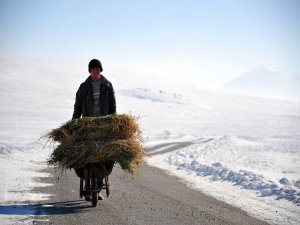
{"x": 152, "y": 197}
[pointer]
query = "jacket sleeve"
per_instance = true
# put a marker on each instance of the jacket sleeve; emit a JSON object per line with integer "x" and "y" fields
{"x": 112, "y": 102}
{"x": 78, "y": 104}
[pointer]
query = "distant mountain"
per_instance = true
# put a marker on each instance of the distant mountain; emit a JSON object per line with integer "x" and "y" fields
{"x": 262, "y": 81}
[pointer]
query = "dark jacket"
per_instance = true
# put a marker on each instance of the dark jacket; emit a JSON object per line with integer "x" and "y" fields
{"x": 84, "y": 99}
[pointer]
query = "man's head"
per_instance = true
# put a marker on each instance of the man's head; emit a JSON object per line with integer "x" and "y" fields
{"x": 95, "y": 68}
{"x": 95, "y": 63}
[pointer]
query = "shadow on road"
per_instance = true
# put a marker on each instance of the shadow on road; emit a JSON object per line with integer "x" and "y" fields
{"x": 52, "y": 208}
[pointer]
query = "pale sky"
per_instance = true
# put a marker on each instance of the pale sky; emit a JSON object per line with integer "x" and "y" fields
{"x": 208, "y": 42}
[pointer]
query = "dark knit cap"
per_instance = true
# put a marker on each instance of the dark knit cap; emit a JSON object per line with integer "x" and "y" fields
{"x": 95, "y": 63}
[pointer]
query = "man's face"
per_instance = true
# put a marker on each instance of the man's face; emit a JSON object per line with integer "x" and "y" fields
{"x": 95, "y": 72}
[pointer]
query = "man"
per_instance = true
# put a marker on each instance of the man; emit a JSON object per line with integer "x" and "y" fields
{"x": 95, "y": 97}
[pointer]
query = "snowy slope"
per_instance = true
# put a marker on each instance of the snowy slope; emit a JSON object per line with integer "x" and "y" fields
{"x": 248, "y": 145}
{"x": 30, "y": 105}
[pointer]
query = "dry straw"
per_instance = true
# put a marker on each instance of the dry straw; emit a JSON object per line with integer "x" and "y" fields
{"x": 97, "y": 139}
{"x": 97, "y": 128}
{"x": 128, "y": 153}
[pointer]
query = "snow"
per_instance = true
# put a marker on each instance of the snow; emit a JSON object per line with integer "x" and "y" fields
{"x": 29, "y": 107}
{"x": 195, "y": 159}
{"x": 241, "y": 150}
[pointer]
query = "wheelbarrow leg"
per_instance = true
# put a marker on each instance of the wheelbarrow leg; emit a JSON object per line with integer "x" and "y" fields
{"x": 86, "y": 178}
{"x": 107, "y": 186}
{"x": 87, "y": 182}
{"x": 81, "y": 188}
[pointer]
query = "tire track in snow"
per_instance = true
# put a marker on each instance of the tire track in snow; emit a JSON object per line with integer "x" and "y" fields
{"x": 173, "y": 146}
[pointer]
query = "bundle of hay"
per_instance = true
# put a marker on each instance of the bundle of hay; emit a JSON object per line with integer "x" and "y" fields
{"x": 97, "y": 139}
{"x": 96, "y": 128}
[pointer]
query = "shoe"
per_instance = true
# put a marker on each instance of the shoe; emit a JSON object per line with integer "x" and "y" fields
{"x": 100, "y": 196}
{"x": 87, "y": 198}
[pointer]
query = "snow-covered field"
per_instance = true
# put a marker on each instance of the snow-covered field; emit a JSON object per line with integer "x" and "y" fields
{"x": 242, "y": 150}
